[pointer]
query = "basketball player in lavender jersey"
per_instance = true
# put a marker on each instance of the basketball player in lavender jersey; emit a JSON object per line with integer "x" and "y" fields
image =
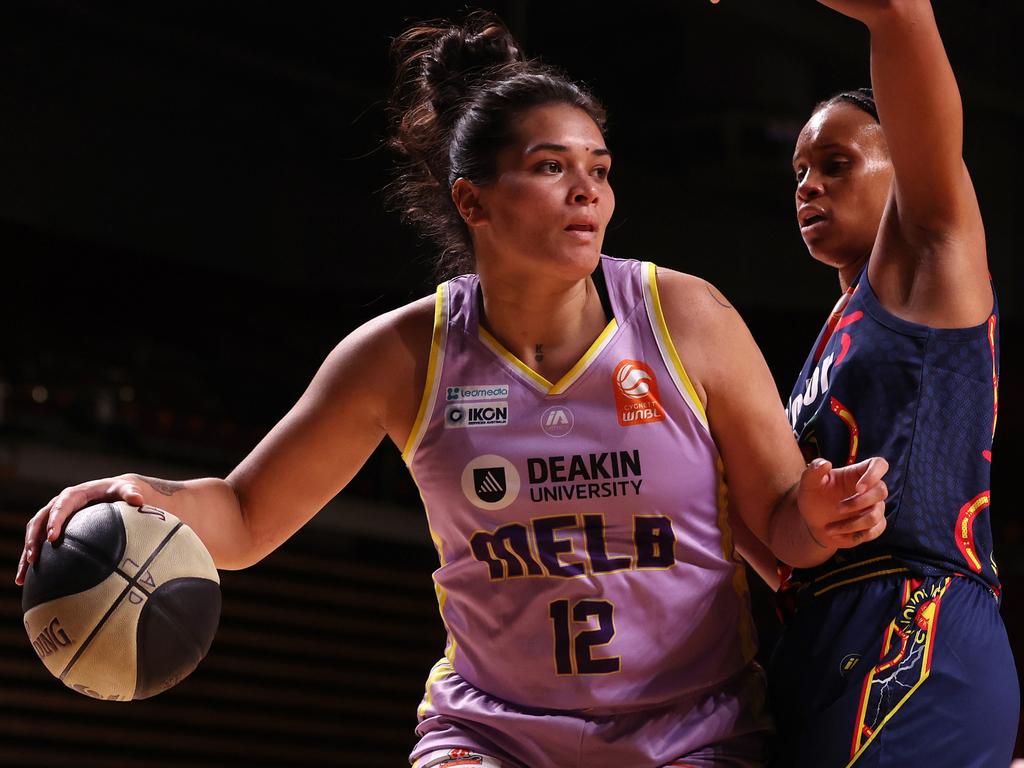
{"x": 897, "y": 654}
{"x": 568, "y": 418}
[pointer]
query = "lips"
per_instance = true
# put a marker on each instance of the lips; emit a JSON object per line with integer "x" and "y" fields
{"x": 809, "y": 215}
{"x": 581, "y": 227}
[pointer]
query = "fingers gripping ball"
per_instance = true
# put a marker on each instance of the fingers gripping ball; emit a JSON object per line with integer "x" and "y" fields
{"x": 124, "y": 604}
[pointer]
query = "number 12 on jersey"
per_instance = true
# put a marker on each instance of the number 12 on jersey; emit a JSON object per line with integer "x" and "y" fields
{"x": 573, "y": 652}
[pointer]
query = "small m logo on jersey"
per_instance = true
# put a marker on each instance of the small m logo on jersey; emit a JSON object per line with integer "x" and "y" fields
{"x": 490, "y": 484}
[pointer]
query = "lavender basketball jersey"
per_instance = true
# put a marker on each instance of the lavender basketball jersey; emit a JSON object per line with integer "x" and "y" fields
{"x": 585, "y": 559}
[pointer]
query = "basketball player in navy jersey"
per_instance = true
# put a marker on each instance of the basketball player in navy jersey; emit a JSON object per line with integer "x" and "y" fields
{"x": 897, "y": 654}
{"x": 566, "y": 417}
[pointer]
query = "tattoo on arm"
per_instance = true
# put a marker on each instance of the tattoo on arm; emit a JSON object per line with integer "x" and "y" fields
{"x": 719, "y": 299}
{"x": 538, "y": 352}
{"x": 165, "y": 487}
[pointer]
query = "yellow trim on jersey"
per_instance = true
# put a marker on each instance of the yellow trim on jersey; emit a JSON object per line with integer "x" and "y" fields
{"x": 499, "y": 349}
{"x": 437, "y": 343}
{"x": 858, "y": 564}
{"x": 854, "y": 580}
{"x": 581, "y": 365}
{"x": 668, "y": 348}
{"x": 570, "y": 377}
{"x": 439, "y": 591}
{"x": 739, "y": 578}
{"x": 438, "y": 672}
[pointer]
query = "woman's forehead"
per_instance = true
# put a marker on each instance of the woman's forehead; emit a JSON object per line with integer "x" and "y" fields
{"x": 839, "y": 124}
{"x": 561, "y": 124}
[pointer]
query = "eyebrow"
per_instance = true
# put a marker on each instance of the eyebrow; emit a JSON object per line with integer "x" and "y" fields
{"x": 561, "y": 148}
{"x": 824, "y": 147}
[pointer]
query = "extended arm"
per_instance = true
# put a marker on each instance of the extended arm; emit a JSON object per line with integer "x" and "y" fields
{"x": 930, "y": 260}
{"x": 803, "y": 514}
{"x": 369, "y": 386}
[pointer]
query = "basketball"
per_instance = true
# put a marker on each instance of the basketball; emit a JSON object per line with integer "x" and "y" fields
{"x": 124, "y": 604}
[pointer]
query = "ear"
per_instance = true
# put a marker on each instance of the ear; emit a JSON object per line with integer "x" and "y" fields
{"x": 466, "y": 196}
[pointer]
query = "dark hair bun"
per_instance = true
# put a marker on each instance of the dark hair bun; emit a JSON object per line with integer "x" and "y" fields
{"x": 458, "y": 91}
{"x": 463, "y": 57}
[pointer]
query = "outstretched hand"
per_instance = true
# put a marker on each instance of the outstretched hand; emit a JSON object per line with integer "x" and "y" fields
{"x": 844, "y": 506}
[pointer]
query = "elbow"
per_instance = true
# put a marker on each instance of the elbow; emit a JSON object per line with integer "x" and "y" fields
{"x": 233, "y": 545}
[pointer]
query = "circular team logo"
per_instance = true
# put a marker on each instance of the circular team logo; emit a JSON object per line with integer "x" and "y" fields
{"x": 633, "y": 381}
{"x": 455, "y": 415}
{"x": 557, "y": 421}
{"x": 848, "y": 663}
{"x": 490, "y": 482}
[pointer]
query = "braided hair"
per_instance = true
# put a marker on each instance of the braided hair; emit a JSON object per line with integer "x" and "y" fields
{"x": 862, "y": 98}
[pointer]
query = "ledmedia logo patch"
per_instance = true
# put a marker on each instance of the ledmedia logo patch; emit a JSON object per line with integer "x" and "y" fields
{"x": 476, "y": 415}
{"x": 636, "y": 394}
{"x": 490, "y": 482}
{"x": 557, "y": 421}
{"x": 477, "y": 392}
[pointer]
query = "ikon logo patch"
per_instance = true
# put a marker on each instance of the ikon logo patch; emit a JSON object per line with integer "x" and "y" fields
{"x": 476, "y": 415}
{"x": 636, "y": 394}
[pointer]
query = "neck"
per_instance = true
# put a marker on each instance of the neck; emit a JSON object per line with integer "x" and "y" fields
{"x": 546, "y": 325}
{"x": 848, "y": 273}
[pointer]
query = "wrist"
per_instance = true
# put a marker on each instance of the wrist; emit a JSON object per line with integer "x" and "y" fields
{"x": 810, "y": 532}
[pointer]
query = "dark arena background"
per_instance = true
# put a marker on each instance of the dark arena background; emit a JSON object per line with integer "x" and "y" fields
{"x": 191, "y": 216}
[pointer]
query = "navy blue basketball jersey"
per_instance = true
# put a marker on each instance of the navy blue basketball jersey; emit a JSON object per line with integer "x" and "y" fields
{"x": 926, "y": 400}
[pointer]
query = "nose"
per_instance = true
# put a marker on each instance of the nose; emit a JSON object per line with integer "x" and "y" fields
{"x": 584, "y": 191}
{"x": 809, "y": 187}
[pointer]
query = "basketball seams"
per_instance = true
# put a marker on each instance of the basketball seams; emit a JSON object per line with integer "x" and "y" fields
{"x": 124, "y": 593}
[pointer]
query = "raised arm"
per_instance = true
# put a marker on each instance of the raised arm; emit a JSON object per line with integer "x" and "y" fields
{"x": 930, "y": 259}
{"x": 803, "y": 514}
{"x": 369, "y": 386}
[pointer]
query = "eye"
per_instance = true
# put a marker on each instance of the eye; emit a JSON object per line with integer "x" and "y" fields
{"x": 601, "y": 172}
{"x": 800, "y": 173}
{"x": 836, "y": 165}
{"x": 550, "y": 166}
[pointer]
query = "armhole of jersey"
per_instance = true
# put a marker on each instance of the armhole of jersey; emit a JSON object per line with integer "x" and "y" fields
{"x": 437, "y": 344}
{"x": 669, "y": 355}
{"x": 748, "y": 635}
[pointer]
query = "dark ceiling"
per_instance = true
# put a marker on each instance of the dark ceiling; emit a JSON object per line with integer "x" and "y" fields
{"x": 246, "y": 137}
{"x": 191, "y": 192}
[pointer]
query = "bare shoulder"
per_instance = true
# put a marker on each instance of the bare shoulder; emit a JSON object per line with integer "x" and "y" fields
{"x": 693, "y": 305}
{"x": 710, "y": 336}
{"x": 383, "y": 363}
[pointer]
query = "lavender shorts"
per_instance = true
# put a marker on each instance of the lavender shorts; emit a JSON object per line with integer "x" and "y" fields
{"x": 726, "y": 727}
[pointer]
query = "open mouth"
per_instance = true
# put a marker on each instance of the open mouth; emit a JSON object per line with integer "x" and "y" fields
{"x": 809, "y": 215}
{"x": 580, "y": 228}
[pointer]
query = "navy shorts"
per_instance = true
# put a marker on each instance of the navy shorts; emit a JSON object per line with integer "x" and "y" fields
{"x": 893, "y": 671}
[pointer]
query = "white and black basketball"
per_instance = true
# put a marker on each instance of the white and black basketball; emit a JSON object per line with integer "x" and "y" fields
{"x": 124, "y": 604}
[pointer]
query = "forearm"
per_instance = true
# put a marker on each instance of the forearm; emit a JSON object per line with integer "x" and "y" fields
{"x": 913, "y": 81}
{"x": 790, "y": 538}
{"x": 210, "y": 507}
{"x": 921, "y": 113}
{"x": 754, "y": 551}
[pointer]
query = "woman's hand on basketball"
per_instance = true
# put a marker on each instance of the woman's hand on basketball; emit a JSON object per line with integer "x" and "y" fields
{"x": 48, "y": 523}
{"x": 843, "y": 506}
